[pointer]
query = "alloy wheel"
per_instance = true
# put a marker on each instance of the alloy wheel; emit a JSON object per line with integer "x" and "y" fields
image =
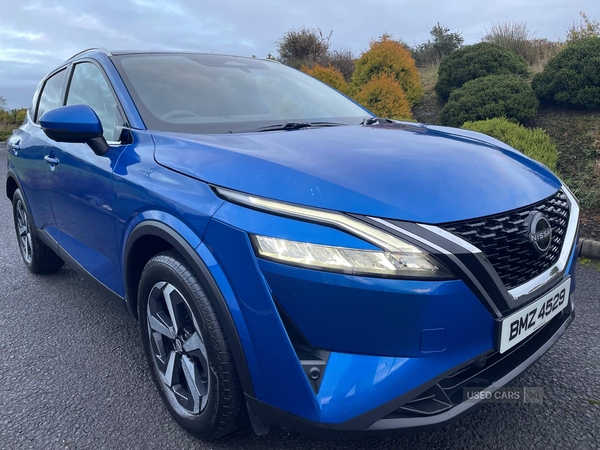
{"x": 179, "y": 352}
{"x": 24, "y": 232}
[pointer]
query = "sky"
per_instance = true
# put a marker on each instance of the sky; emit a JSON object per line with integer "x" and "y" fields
{"x": 37, "y": 36}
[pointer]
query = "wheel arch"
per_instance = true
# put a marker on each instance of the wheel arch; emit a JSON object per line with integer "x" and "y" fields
{"x": 11, "y": 184}
{"x": 165, "y": 237}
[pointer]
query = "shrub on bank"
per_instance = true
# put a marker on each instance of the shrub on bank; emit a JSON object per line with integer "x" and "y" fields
{"x": 476, "y": 61}
{"x": 534, "y": 143}
{"x": 573, "y": 76}
{"x": 489, "y": 97}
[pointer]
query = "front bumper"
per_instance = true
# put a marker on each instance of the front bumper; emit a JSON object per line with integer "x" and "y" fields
{"x": 391, "y": 345}
{"x": 395, "y": 417}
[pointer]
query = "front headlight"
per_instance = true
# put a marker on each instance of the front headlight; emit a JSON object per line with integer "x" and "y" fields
{"x": 397, "y": 258}
{"x": 409, "y": 263}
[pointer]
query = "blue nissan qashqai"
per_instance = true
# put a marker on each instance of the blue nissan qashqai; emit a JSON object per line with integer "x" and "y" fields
{"x": 290, "y": 257}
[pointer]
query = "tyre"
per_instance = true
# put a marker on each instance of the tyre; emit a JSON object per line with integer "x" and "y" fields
{"x": 187, "y": 351}
{"x": 37, "y": 256}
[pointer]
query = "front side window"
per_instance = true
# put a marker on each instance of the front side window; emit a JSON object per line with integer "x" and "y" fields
{"x": 195, "y": 93}
{"x": 34, "y": 101}
{"x": 89, "y": 87}
{"x": 51, "y": 94}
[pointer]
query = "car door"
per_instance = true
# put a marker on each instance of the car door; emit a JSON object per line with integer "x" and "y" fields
{"x": 26, "y": 153}
{"x": 80, "y": 182}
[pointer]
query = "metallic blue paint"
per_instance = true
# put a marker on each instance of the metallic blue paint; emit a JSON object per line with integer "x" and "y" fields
{"x": 382, "y": 316}
{"x": 417, "y": 173}
{"x": 280, "y": 380}
{"x": 260, "y": 223}
{"x": 67, "y": 120}
{"x": 25, "y": 151}
{"x": 573, "y": 263}
{"x": 374, "y": 327}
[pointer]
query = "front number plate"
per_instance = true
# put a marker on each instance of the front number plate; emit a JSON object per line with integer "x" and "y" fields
{"x": 526, "y": 321}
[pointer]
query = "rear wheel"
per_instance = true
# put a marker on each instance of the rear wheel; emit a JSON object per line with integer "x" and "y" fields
{"x": 37, "y": 256}
{"x": 187, "y": 350}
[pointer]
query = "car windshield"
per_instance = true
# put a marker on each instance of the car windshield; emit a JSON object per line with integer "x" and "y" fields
{"x": 197, "y": 93}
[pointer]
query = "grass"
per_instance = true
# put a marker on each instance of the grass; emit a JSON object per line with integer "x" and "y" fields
{"x": 429, "y": 76}
{"x": 584, "y": 262}
{"x": 429, "y": 108}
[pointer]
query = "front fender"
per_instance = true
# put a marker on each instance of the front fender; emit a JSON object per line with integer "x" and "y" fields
{"x": 212, "y": 278}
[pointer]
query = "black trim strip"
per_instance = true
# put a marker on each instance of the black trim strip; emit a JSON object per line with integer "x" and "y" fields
{"x": 454, "y": 257}
{"x": 81, "y": 271}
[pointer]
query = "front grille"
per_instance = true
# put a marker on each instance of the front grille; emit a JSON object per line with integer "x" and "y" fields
{"x": 503, "y": 239}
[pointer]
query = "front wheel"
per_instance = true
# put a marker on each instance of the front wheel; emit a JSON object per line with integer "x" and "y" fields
{"x": 187, "y": 350}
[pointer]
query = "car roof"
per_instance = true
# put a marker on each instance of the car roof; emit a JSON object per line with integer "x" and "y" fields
{"x": 150, "y": 52}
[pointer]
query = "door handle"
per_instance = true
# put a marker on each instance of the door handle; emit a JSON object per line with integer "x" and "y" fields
{"x": 51, "y": 160}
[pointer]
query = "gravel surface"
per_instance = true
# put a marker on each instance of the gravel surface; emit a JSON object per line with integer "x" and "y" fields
{"x": 73, "y": 376}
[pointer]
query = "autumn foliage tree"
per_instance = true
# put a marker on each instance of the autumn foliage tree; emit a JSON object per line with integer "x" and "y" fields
{"x": 328, "y": 75}
{"x": 384, "y": 97}
{"x": 392, "y": 59}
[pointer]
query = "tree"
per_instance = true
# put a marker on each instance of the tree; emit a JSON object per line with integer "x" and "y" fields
{"x": 2, "y": 103}
{"x": 20, "y": 115}
{"x": 443, "y": 43}
{"x": 303, "y": 47}
{"x": 389, "y": 57}
{"x": 344, "y": 61}
{"x": 383, "y": 96}
{"x": 586, "y": 28}
{"x": 328, "y": 75}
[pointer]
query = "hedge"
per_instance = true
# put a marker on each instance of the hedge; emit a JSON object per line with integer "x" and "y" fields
{"x": 534, "y": 143}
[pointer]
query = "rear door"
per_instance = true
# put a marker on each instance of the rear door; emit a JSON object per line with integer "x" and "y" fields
{"x": 26, "y": 153}
{"x": 80, "y": 184}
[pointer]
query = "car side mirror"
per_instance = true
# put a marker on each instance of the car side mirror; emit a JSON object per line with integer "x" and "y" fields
{"x": 75, "y": 124}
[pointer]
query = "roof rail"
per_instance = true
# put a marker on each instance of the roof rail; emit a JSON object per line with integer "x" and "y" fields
{"x": 98, "y": 49}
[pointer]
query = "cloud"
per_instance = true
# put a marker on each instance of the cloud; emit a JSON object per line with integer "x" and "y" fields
{"x": 36, "y": 36}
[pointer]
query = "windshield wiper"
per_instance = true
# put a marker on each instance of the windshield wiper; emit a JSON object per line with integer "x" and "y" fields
{"x": 288, "y": 126}
{"x": 376, "y": 120}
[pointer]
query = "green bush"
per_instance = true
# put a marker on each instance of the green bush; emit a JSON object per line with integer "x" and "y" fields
{"x": 5, "y": 134}
{"x": 476, "y": 61}
{"x": 572, "y": 76}
{"x": 534, "y": 143}
{"x": 488, "y": 97}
